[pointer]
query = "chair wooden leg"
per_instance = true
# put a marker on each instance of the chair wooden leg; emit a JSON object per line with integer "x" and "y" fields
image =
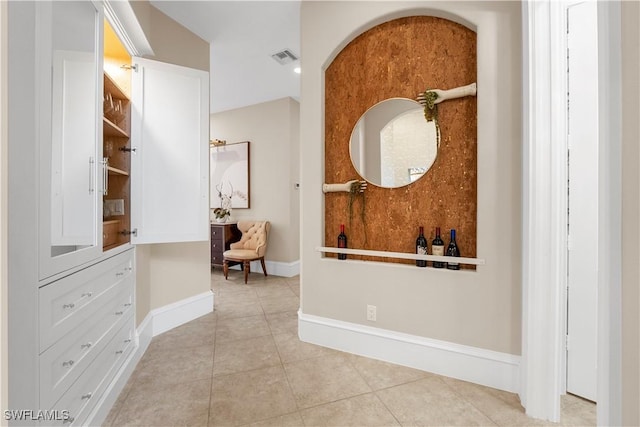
{"x": 225, "y": 267}
{"x": 264, "y": 269}
{"x": 247, "y": 266}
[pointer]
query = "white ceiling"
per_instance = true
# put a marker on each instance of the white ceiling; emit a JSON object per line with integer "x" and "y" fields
{"x": 243, "y": 36}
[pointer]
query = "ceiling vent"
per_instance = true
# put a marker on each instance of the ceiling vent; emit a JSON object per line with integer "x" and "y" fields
{"x": 284, "y": 57}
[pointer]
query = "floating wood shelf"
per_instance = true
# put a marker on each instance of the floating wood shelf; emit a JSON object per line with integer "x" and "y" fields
{"x": 400, "y": 255}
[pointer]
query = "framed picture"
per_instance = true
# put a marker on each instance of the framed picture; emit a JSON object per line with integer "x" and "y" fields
{"x": 229, "y": 173}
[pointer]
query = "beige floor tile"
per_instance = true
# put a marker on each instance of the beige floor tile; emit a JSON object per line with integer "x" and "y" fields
{"x": 173, "y": 366}
{"x": 283, "y": 322}
{"x": 119, "y": 403}
{"x": 289, "y": 420}
{"x": 323, "y": 380}
{"x": 247, "y": 397}
{"x": 577, "y": 411}
{"x": 430, "y": 402}
{"x": 228, "y": 309}
{"x": 280, "y": 305}
{"x": 379, "y": 374}
{"x": 245, "y": 355}
{"x": 291, "y": 349}
{"x": 502, "y": 407}
{"x": 241, "y": 328}
{"x": 273, "y": 290}
{"x": 363, "y": 410}
{"x": 185, "y": 404}
{"x": 188, "y": 335}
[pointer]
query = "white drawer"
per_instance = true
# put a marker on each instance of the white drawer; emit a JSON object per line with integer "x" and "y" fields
{"x": 83, "y": 395}
{"x": 72, "y": 300}
{"x": 64, "y": 362}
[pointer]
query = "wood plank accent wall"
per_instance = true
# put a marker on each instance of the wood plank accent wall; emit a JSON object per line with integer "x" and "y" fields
{"x": 401, "y": 58}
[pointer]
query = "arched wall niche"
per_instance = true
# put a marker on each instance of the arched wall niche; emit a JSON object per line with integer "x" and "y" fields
{"x": 399, "y": 58}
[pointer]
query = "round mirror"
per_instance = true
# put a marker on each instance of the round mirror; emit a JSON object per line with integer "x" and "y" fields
{"x": 392, "y": 144}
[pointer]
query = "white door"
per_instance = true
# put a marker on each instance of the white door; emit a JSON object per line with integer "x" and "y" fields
{"x": 170, "y": 165}
{"x": 583, "y": 200}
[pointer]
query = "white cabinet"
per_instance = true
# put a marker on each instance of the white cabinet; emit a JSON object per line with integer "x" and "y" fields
{"x": 153, "y": 167}
{"x": 68, "y": 95}
{"x": 79, "y": 315}
{"x": 80, "y": 296}
{"x": 168, "y": 118}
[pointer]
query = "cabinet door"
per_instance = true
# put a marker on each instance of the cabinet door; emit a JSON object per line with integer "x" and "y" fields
{"x": 68, "y": 91}
{"x": 169, "y": 167}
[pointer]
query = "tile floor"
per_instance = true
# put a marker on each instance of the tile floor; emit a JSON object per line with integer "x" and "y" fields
{"x": 243, "y": 365}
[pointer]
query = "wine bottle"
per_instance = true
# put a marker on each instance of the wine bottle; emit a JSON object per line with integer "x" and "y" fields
{"x": 421, "y": 248}
{"x": 437, "y": 248}
{"x": 452, "y": 250}
{"x": 342, "y": 242}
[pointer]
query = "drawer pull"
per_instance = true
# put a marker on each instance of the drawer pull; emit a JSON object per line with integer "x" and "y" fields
{"x": 69, "y": 420}
{"x": 70, "y": 305}
{"x": 118, "y": 313}
{"x": 119, "y": 274}
{"x": 86, "y": 396}
{"x": 87, "y": 345}
{"x": 86, "y": 294}
{"x": 68, "y": 363}
{"x": 119, "y": 351}
{"x": 127, "y": 341}
{"x": 128, "y": 304}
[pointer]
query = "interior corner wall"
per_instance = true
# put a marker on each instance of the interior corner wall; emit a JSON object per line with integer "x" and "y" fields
{"x": 630, "y": 12}
{"x": 273, "y": 131}
{"x": 170, "y": 272}
{"x": 480, "y": 309}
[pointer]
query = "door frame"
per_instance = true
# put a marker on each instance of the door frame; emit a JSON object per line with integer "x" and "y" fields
{"x": 543, "y": 364}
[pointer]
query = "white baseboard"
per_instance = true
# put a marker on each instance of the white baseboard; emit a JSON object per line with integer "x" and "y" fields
{"x": 156, "y": 322}
{"x": 181, "y": 312}
{"x": 275, "y": 268}
{"x": 476, "y": 365}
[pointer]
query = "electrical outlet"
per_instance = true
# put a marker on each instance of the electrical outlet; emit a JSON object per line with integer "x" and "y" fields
{"x": 371, "y": 313}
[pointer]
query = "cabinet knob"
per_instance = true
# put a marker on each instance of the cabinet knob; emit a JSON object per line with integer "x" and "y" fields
{"x": 128, "y": 304}
{"x": 70, "y": 305}
{"x": 127, "y": 341}
{"x": 86, "y": 294}
{"x": 68, "y": 364}
{"x": 87, "y": 345}
{"x": 118, "y": 313}
{"x": 86, "y": 396}
{"x": 119, "y": 352}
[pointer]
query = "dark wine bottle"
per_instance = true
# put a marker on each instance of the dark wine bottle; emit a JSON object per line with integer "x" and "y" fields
{"x": 421, "y": 248}
{"x": 452, "y": 250}
{"x": 342, "y": 242}
{"x": 437, "y": 248}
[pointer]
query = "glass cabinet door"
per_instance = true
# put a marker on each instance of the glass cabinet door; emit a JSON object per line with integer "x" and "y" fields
{"x": 69, "y": 46}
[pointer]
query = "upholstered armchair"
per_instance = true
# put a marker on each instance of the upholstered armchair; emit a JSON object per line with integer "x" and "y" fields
{"x": 251, "y": 247}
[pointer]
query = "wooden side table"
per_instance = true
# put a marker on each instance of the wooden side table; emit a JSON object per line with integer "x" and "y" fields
{"x": 222, "y": 235}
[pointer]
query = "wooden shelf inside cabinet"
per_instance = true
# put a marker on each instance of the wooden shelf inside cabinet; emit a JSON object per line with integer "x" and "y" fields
{"x": 113, "y": 88}
{"x": 116, "y": 125}
{"x": 110, "y": 230}
{"x": 111, "y": 129}
{"x": 116, "y": 171}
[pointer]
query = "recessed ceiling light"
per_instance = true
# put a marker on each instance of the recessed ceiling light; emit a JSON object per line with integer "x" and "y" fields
{"x": 297, "y": 70}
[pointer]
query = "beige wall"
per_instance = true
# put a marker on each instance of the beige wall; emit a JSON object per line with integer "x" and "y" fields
{"x": 170, "y": 41}
{"x": 273, "y": 129}
{"x": 167, "y": 273}
{"x": 482, "y": 308}
{"x": 630, "y": 213}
